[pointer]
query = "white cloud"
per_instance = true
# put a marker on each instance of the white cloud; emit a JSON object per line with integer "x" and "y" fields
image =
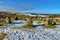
{"x": 13, "y": 9}
{"x": 6, "y": 8}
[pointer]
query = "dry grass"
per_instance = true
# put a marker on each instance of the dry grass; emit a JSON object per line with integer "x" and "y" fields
{"x": 0, "y": 26}
{"x": 49, "y": 26}
{"x": 2, "y": 36}
{"x": 28, "y": 26}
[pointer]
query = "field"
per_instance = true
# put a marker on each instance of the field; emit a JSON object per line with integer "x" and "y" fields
{"x": 19, "y": 26}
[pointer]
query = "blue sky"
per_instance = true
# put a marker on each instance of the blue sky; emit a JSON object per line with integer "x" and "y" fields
{"x": 38, "y": 6}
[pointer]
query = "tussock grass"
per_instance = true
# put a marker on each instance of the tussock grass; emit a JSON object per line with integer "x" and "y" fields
{"x": 49, "y": 26}
{"x": 2, "y": 36}
{"x": 29, "y": 26}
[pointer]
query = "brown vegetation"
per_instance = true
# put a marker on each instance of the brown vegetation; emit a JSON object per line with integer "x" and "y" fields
{"x": 2, "y": 36}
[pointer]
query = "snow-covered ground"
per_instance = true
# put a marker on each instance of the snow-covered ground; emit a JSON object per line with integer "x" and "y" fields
{"x": 37, "y": 33}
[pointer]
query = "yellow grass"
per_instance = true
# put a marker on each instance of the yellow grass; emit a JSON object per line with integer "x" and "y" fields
{"x": 29, "y": 26}
{"x": 2, "y": 36}
{"x": 49, "y": 26}
{"x": 0, "y": 26}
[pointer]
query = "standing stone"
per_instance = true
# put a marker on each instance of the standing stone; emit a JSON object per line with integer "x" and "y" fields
{"x": 29, "y": 23}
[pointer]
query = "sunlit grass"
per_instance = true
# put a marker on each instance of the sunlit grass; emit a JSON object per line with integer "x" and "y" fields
{"x": 29, "y": 26}
{"x": 2, "y": 36}
{"x": 49, "y": 26}
{"x": 0, "y": 26}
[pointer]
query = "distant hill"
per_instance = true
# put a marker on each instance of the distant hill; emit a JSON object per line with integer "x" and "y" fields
{"x": 24, "y": 13}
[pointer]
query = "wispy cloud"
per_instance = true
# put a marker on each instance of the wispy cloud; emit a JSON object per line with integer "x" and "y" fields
{"x": 15, "y": 6}
{"x": 6, "y": 8}
{"x": 13, "y": 9}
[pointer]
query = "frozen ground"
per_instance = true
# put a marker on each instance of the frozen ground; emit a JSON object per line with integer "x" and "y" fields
{"x": 37, "y": 33}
